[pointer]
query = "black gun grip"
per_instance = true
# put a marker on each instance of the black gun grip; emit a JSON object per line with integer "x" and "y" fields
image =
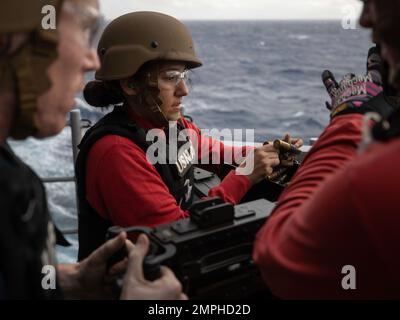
{"x": 120, "y": 254}
{"x": 151, "y": 270}
{"x": 157, "y": 255}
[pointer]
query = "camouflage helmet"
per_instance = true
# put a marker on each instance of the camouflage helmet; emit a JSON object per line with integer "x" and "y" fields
{"x": 135, "y": 38}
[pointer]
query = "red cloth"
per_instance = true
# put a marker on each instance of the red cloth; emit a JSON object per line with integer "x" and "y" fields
{"x": 340, "y": 209}
{"x": 124, "y": 187}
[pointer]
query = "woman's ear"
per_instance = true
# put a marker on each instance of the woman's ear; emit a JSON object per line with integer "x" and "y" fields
{"x": 128, "y": 87}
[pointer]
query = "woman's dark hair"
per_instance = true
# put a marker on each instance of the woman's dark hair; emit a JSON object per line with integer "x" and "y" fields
{"x": 103, "y": 94}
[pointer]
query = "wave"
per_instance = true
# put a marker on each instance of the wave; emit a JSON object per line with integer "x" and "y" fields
{"x": 300, "y": 37}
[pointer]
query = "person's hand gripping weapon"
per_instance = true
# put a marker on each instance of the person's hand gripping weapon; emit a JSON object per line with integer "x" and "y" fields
{"x": 288, "y": 150}
{"x": 352, "y": 93}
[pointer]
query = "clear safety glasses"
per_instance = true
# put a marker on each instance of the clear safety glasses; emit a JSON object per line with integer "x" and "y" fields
{"x": 170, "y": 79}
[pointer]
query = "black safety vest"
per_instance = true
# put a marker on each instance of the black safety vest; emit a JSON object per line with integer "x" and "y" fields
{"x": 26, "y": 232}
{"x": 177, "y": 176}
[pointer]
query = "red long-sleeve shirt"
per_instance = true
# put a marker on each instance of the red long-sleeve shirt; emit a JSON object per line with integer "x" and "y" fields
{"x": 341, "y": 209}
{"x": 124, "y": 187}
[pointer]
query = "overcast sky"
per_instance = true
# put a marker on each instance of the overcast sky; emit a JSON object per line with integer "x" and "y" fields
{"x": 237, "y": 9}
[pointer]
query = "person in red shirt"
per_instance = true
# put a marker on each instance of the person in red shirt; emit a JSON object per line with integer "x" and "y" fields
{"x": 145, "y": 61}
{"x": 334, "y": 233}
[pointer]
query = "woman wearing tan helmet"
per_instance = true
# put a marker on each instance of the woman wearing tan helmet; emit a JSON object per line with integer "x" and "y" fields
{"x": 145, "y": 57}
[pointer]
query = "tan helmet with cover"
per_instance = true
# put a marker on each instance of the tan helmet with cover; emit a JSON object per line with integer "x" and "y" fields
{"x": 133, "y": 39}
{"x": 24, "y": 71}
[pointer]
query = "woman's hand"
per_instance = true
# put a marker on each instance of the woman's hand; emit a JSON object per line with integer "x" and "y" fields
{"x": 259, "y": 164}
{"x": 297, "y": 142}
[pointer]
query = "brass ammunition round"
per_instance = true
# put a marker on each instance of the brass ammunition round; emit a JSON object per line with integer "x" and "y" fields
{"x": 285, "y": 147}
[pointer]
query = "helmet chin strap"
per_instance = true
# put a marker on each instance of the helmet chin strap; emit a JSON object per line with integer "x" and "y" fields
{"x": 23, "y": 73}
{"x": 148, "y": 105}
{"x": 147, "y": 102}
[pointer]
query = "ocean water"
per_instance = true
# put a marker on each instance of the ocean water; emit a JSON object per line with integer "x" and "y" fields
{"x": 257, "y": 75}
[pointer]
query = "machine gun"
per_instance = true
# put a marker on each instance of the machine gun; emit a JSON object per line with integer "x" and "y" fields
{"x": 269, "y": 188}
{"x": 210, "y": 252}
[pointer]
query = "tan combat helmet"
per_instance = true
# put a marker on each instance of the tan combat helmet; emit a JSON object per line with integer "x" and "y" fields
{"x": 135, "y": 38}
{"x": 24, "y": 71}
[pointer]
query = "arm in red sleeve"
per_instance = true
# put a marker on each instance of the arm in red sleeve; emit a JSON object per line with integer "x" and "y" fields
{"x": 285, "y": 252}
{"x": 232, "y": 189}
{"x": 303, "y": 254}
{"x": 125, "y": 188}
{"x": 212, "y": 154}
